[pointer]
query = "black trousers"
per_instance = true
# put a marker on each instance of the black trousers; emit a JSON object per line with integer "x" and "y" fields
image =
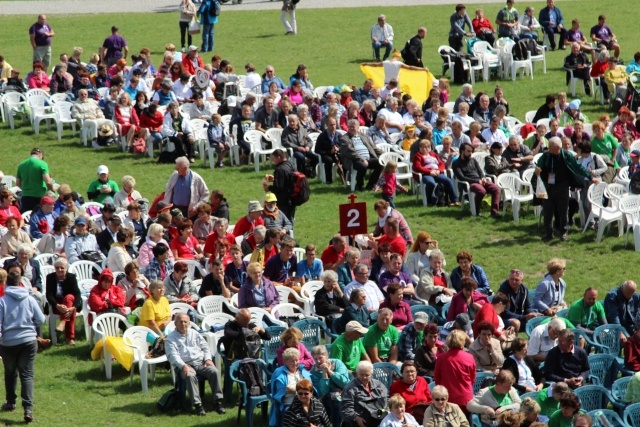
{"x": 551, "y": 32}
{"x": 184, "y": 30}
{"x": 556, "y": 207}
{"x": 456, "y": 43}
{"x": 361, "y": 169}
{"x": 28, "y": 203}
{"x": 183, "y": 146}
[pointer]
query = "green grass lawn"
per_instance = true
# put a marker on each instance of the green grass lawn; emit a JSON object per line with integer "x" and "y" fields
{"x": 71, "y": 388}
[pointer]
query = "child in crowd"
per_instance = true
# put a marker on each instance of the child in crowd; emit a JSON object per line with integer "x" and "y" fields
{"x": 443, "y": 85}
{"x": 388, "y": 183}
{"x": 409, "y": 137}
{"x": 440, "y": 131}
{"x": 397, "y": 416}
{"x": 217, "y": 138}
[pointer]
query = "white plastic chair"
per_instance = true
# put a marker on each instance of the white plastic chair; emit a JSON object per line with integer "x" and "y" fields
{"x": 108, "y": 325}
{"x": 289, "y": 310}
{"x": 39, "y": 110}
{"x": 404, "y": 167}
{"x": 234, "y": 303}
{"x": 36, "y": 92}
{"x": 62, "y": 110}
{"x": 84, "y": 269}
{"x": 136, "y": 338}
{"x": 470, "y": 65}
{"x": 512, "y": 65}
{"x": 199, "y": 128}
{"x": 257, "y": 314}
{"x": 194, "y": 265}
{"x": 285, "y": 294}
{"x": 254, "y": 139}
{"x": 529, "y": 115}
{"x": 490, "y": 59}
{"x": 614, "y": 192}
{"x": 509, "y": 188}
{"x": 310, "y": 288}
{"x": 275, "y": 136}
{"x": 13, "y": 103}
{"x": 217, "y": 320}
{"x": 179, "y": 307}
{"x": 45, "y": 259}
{"x": 83, "y": 313}
{"x": 573, "y": 80}
{"x": 319, "y": 91}
{"x": 630, "y": 207}
{"x": 605, "y": 215}
{"x": 541, "y": 56}
{"x": 56, "y": 98}
{"x": 211, "y": 305}
{"x": 623, "y": 177}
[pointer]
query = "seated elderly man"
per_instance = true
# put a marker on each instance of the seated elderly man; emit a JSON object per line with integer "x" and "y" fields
{"x": 587, "y": 313}
{"x": 518, "y": 155}
{"x": 393, "y": 119}
{"x": 361, "y": 281}
{"x": 483, "y": 113}
{"x": 381, "y": 341}
{"x": 466, "y": 169}
{"x": 41, "y": 221}
{"x": 332, "y": 99}
{"x": 520, "y": 310}
{"x": 235, "y": 331}
{"x": 178, "y": 130}
{"x": 466, "y": 96}
{"x": 578, "y": 62}
{"x": 81, "y": 241}
{"x": 189, "y": 355}
{"x": 328, "y": 148}
{"x": 92, "y": 117}
{"x": 543, "y": 338}
{"x": 379, "y": 133}
{"x": 604, "y": 37}
{"x": 357, "y": 151}
{"x": 364, "y": 399}
{"x": 566, "y": 362}
{"x": 348, "y": 346}
{"x": 270, "y": 77}
{"x": 382, "y": 37}
{"x": 295, "y": 138}
{"x": 622, "y": 306}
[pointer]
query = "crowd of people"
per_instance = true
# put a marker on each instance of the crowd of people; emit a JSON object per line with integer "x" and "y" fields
{"x": 147, "y": 247}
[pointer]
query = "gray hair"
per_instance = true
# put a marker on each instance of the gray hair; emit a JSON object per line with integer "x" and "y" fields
{"x": 353, "y": 122}
{"x": 292, "y": 117}
{"x": 354, "y": 104}
{"x": 555, "y": 141}
{"x": 223, "y": 221}
{"x": 466, "y": 86}
{"x": 463, "y": 104}
{"x": 319, "y": 349}
{"x": 391, "y": 101}
{"x": 440, "y": 390}
{"x": 173, "y": 105}
{"x": 182, "y": 161}
{"x": 360, "y": 267}
{"x": 353, "y": 251}
{"x": 370, "y": 103}
{"x": 290, "y": 353}
{"x": 355, "y": 294}
{"x": 436, "y": 254}
{"x": 514, "y": 138}
{"x": 500, "y": 109}
{"x": 25, "y": 248}
{"x": 260, "y": 231}
{"x": 604, "y": 55}
{"x": 363, "y": 366}
{"x": 302, "y": 107}
{"x": 557, "y": 324}
{"x": 128, "y": 179}
{"x": 329, "y": 274}
{"x": 61, "y": 261}
{"x": 155, "y": 229}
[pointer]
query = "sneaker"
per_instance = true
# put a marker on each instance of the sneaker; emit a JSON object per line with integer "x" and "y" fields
{"x": 28, "y": 415}
{"x": 288, "y": 33}
{"x": 95, "y": 144}
{"x": 564, "y": 237}
{"x": 200, "y": 411}
{"x": 219, "y": 407}
{"x": 183, "y": 50}
{"x": 8, "y": 407}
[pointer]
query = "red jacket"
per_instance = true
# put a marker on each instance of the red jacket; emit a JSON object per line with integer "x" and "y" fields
{"x": 486, "y": 314}
{"x": 459, "y": 304}
{"x": 243, "y": 225}
{"x": 187, "y": 64}
{"x": 419, "y": 394}
{"x": 632, "y": 353}
{"x": 98, "y": 296}
{"x": 154, "y": 123}
{"x": 344, "y": 118}
{"x": 419, "y": 167}
{"x": 456, "y": 370}
{"x": 132, "y": 121}
{"x": 598, "y": 68}
{"x": 620, "y": 127}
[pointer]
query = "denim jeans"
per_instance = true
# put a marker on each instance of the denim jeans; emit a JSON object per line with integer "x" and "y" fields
{"x": 387, "y": 49}
{"x": 207, "y": 38}
{"x": 19, "y": 360}
{"x": 446, "y": 182}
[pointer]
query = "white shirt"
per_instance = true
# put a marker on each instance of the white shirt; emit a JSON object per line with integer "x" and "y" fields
{"x": 497, "y": 136}
{"x": 384, "y": 33}
{"x": 540, "y": 342}
{"x": 189, "y": 349}
{"x": 371, "y": 290}
{"x": 391, "y": 71}
{"x": 181, "y": 90}
{"x": 465, "y": 120}
{"x": 392, "y": 117}
{"x": 252, "y": 80}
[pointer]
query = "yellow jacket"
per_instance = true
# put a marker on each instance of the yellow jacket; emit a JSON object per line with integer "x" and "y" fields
{"x": 617, "y": 76}
{"x": 6, "y": 71}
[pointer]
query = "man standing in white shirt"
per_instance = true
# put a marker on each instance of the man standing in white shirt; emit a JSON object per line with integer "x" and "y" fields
{"x": 382, "y": 36}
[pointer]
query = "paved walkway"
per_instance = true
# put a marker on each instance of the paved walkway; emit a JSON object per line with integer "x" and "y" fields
{"x": 52, "y": 7}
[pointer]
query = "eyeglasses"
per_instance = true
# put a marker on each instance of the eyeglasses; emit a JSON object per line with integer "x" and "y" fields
{"x": 303, "y": 393}
{"x": 439, "y": 399}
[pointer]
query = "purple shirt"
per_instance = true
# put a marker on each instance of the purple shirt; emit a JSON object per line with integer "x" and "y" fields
{"x": 114, "y": 43}
{"x": 388, "y": 278}
{"x": 602, "y": 32}
{"x": 278, "y": 271}
{"x": 574, "y": 36}
{"x": 39, "y": 31}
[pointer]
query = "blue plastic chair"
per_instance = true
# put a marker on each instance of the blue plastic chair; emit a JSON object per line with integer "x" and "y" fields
{"x": 532, "y": 323}
{"x": 564, "y": 313}
{"x": 269, "y": 347}
{"x": 618, "y": 390}
{"x": 312, "y": 332}
{"x": 592, "y": 397}
{"x": 531, "y": 394}
{"x": 227, "y": 386}
{"x": 386, "y": 373}
{"x": 443, "y": 311}
{"x": 247, "y": 401}
{"x": 431, "y": 312}
{"x": 632, "y": 415}
{"x": 607, "y": 340}
{"x": 480, "y": 378}
{"x": 603, "y": 369}
{"x": 610, "y": 415}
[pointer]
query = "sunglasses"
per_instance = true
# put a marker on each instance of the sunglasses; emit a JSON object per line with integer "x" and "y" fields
{"x": 439, "y": 399}
{"x": 303, "y": 393}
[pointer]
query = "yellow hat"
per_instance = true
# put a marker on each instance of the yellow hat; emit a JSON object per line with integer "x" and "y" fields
{"x": 270, "y": 197}
{"x": 396, "y": 54}
{"x": 345, "y": 88}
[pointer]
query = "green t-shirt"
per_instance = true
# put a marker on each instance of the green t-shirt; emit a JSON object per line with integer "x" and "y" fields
{"x": 383, "y": 340}
{"x": 349, "y": 352}
{"x": 548, "y": 405}
{"x": 30, "y": 173}
{"x": 605, "y": 146}
{"x": 97, "y": 185}
{"x": 559, "y": 420}
{"x": 587, "y": 317}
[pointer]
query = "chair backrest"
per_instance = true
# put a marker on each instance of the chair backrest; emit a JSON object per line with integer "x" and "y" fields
{"x": 287, "y": 309}
{"x": 632, "y": 415}
{"x": 257, "y": 314}
{"x": 615, "y": 191}
{"x": 193, "y": 265}
{"x": 619, "y": 389}
{"x": 270, "y": 346}
{"x": 623, "y": 173}
{"x": 215, "y": 319}
{"x": 386, "y": 157}
{"x": 84, "y": 269}
{"x": 611, "y": 416}
{"x": 137, "y": 337}
{"x": 12, "y": 99}
{"x": 386, "y": 373}
{"x": 179, "y": 307}
{"x": 63, "y": 110}
{"x": 275, "y": 135}
{"x": 532, "y": 323}
{"x": 507, "y": 182}
{"x": 527, "y": 175}
{"x": 45, "y": 259}
{"x": 529, "y": 115}
{"x": 211, "y": 304}
{"x": 86, "y": 285}
{"x": 609, "y": 337}
{"x": 311, "y": 331}
{"x": 254, "y": 137}
{"x": 480, "y": 157}
{"x": 630, "y": 206}
{"x": 595, "y": 194}
{"x": 108, "y": 324}
{"x": 37, "y": 92}
{"x": 300, "y": 253}
{"x": 601, "y": 366}
{"x": 310, "y": 288}
{"x": 431, "y": 312}
{"x": 592, "y": 397}
{"x": 56, "y": 98}
{"x": 480, "y": 379}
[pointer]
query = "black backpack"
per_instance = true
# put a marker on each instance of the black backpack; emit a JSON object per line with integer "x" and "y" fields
{"x": 521, "y": 48}
{"x": 251, "y": 374}
{"x": 248, "y": 345}
{"x": 634, "y": 183}
{"x": 301, "y": 191}
{"x": 169, "y": 401}
{"x": 214, "y": 10}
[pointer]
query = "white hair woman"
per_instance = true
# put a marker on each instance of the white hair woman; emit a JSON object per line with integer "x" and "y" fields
{"x": 442, "y": 413}
{"x": 283, "y": 383}
{"x": 329, "y": 300}
{"x": 364, "y": 399}
{"x": 154, "y": 236}
{"x": 127, "y": 195}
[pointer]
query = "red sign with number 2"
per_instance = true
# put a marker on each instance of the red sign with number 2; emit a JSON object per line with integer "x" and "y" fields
{"x": 353, "y": 218}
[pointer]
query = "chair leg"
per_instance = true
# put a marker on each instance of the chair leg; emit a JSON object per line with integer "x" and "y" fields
{"x": 107, "y": 362}
{"x": 144, "y": 370}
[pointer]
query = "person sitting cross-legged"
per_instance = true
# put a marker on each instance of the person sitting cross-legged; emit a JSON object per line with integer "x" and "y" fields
{"x": 189, "y": 355}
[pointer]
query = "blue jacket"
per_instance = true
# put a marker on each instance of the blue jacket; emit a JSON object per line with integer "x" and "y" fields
{"x": 19, "y": 317}
{"x": 351, "y": 313}
{"x": 267, "y": 82}
{"x": 38, "y": 217}
{"x": 544, "y": 18}
{"x": 614, "y": 307}
{"x": 546, "y": 294}
{"x": 478, "y": 275}
{"x": 278, "y": 390}
{"x": 519, "y": 304}
{"x": 203, "y": 13}
{"x": 324, "y": 386}
{"x": 344, "y": 275}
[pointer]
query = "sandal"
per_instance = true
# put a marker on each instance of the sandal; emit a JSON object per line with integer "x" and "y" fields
{"x": 8, "y": 407}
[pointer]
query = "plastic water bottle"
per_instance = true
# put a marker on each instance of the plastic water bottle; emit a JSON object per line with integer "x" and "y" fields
{"x": 604, "y": 422}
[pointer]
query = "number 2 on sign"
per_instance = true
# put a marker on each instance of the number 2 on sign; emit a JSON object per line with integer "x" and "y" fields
{"x": 353, "y": 215}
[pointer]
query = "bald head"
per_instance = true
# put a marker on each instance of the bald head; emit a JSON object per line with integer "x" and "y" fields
{"x": 629, "y": 288}
{"x": 243, "y": 317}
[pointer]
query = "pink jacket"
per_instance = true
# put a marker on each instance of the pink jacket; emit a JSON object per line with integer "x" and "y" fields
{"x": 305, "y": 357}
{"x": 459, "y": 304}
{"x": 146, "y": 252}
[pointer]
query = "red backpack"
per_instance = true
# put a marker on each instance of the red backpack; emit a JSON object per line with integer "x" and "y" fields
{"x": 301, "y": 191}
